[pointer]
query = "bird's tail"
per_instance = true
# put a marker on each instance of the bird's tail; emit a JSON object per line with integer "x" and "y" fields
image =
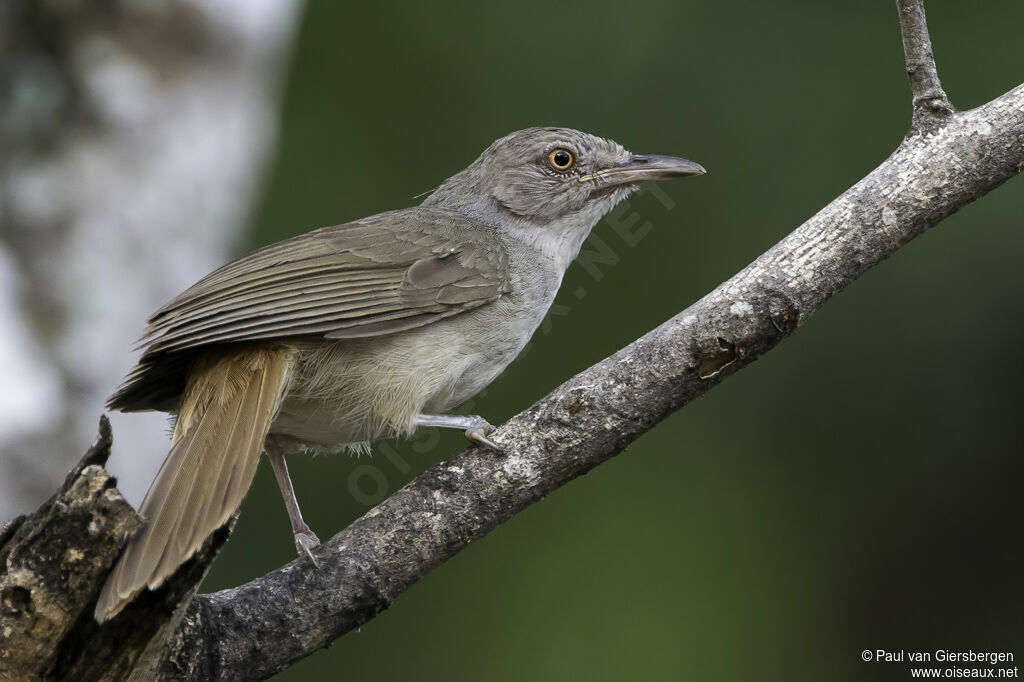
{"x": 231, "y": 397}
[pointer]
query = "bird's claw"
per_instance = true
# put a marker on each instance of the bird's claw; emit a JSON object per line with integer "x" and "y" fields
{"x": 478, "y": 432}
{"x": 305, "y": 542}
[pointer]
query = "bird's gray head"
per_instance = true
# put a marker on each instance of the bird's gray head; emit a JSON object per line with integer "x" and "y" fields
{"x": 552, "y": 183}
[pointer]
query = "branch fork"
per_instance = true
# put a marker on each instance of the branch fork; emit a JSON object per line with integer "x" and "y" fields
{"x": 930, "y": 103}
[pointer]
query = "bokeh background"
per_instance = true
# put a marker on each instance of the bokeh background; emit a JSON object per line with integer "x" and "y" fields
{"x": 857, "y": 488}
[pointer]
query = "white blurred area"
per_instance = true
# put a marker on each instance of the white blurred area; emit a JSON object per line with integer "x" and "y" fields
{"x": 130, "y": 156}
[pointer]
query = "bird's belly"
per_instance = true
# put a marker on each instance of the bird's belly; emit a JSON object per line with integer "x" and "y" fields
{"x": 478, "y": 370}
{"x": 361, "y": 390}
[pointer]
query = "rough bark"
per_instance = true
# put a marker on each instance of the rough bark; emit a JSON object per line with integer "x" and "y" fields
{"x": 253, "y": 631}
{"x": 49, "y": 562}
{"x": 52, "y": 564}
{"x": 929, "y": 99}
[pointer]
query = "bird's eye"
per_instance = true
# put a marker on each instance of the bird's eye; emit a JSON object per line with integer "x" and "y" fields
{"x": 561, "y": 159}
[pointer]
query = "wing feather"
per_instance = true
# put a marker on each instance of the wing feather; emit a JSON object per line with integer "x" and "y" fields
{"x": 382, "y": 275}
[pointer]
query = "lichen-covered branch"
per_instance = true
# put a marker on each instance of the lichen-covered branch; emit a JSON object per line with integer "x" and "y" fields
{"x": 929, "y": 99}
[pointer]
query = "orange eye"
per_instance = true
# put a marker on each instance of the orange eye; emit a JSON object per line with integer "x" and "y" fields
{"x": 561, "y": 159}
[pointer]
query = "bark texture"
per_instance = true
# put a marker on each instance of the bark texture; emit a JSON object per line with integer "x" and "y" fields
{"x": 52, "y": 564}
{"x": 49, "y": 562}
{"x": 929, "y": 99}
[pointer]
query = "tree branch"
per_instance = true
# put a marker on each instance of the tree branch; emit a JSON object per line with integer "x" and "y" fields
{"x": 51, "y": 561}
{"x": 52, "y": 565}
{"x": 929, "y": 100}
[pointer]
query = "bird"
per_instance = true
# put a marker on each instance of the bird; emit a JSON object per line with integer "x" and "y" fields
{"x": 333, "y": 339}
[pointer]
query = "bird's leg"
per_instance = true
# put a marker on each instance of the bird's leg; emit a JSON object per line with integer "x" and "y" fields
{"x": 305, "y": 539}
{"x": 476, "y": 428}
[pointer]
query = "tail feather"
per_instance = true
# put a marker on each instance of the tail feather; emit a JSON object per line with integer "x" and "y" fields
{"x": 231, "y": 398}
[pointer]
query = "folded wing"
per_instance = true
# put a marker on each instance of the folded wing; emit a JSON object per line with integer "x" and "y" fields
{"x": 381, "y": 275}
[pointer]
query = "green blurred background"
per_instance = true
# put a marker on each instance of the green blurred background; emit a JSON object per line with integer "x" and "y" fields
{"x": 858, "y": 488}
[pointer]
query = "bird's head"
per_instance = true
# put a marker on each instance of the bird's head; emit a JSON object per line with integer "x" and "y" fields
{"x": 552, "y": 183}
{"x": 545, "y": 174}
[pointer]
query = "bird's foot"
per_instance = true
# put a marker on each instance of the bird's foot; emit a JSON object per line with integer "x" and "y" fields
{"x": 478, "y": 431}
{"x": 477, "y": 428}
{"x": 305, "y": 542}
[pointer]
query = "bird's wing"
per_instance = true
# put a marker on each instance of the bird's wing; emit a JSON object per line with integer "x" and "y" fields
{"x": 381, "y": 275}
{"x": 376, "y": 276}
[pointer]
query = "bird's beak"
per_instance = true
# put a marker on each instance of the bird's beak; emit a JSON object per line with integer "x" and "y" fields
{"x": 641, "y": 167}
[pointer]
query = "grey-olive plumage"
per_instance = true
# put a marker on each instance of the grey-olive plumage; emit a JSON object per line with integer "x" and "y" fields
{"x": 358, "y": 332}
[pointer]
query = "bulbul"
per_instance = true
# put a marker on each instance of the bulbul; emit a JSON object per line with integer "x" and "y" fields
{"x": 358, "y": 332}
